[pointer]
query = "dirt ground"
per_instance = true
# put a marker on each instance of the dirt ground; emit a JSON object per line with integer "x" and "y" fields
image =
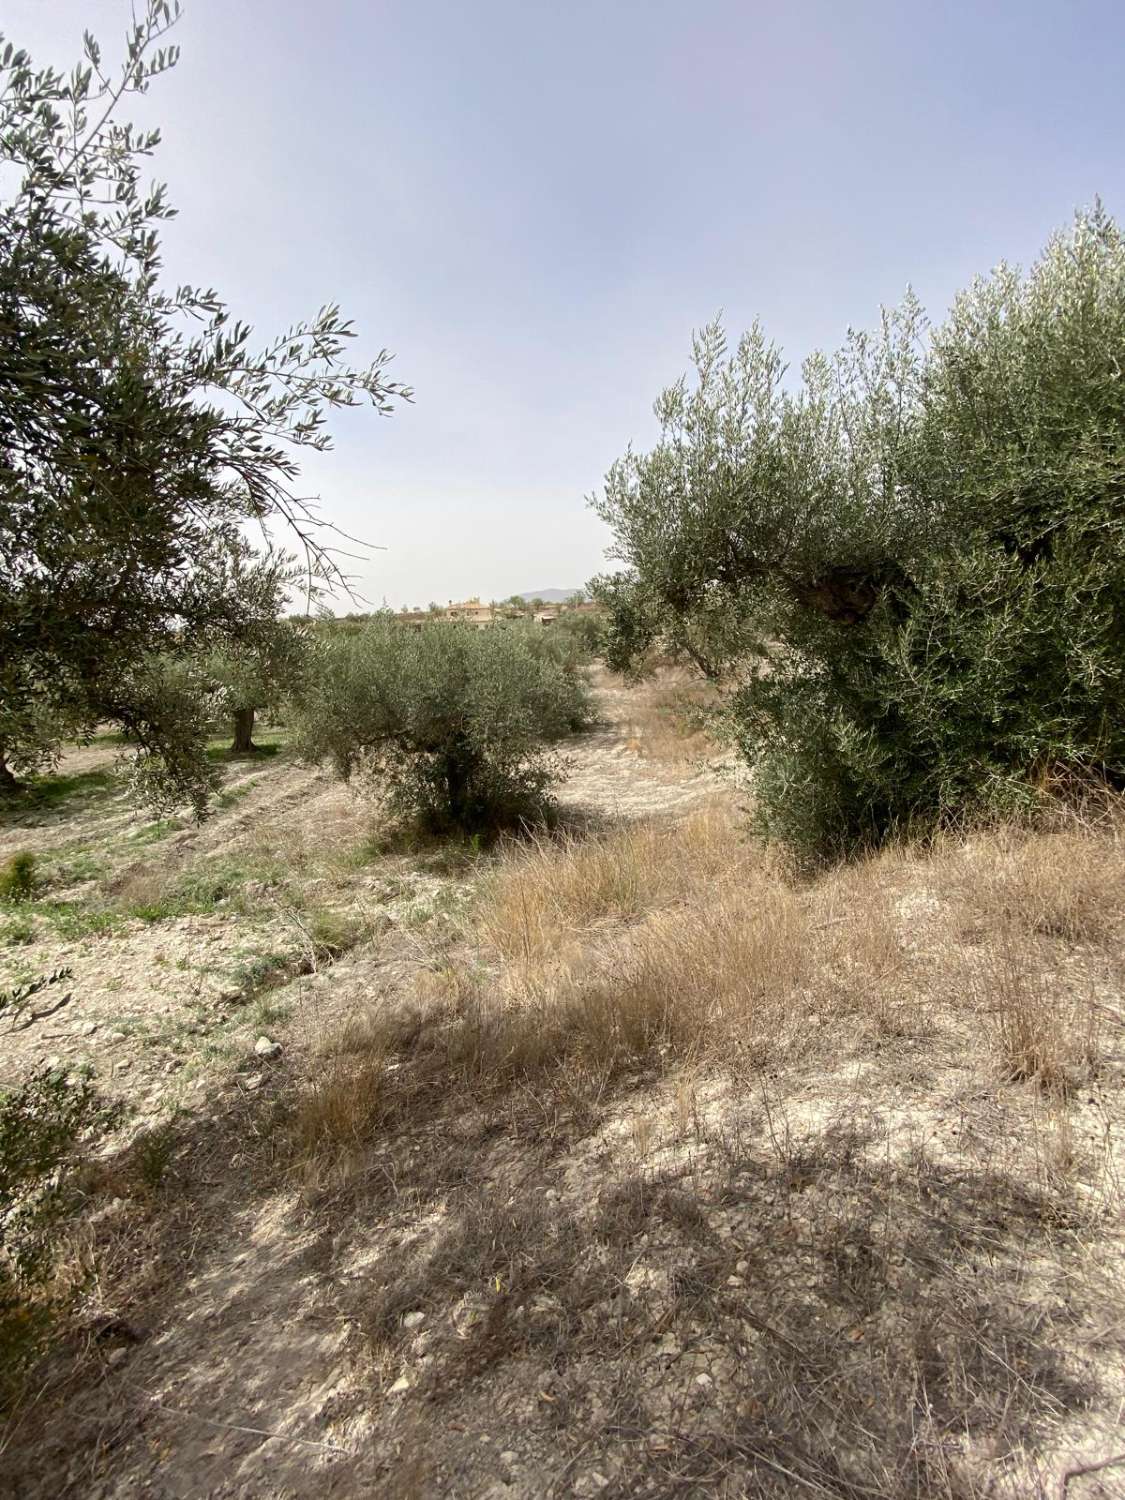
{"x": 865, "y": 1269}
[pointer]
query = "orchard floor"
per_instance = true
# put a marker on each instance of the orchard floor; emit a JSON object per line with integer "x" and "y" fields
{"x": 848, "y": 1247}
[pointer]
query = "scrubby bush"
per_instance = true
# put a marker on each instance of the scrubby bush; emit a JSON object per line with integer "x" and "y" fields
{"x": 18, "y": 878}
{"x": 454, "y": 726}
{"x": 918, "y": 554}
{"x": 564, "y": 649}
{"x": 586, "y": 628}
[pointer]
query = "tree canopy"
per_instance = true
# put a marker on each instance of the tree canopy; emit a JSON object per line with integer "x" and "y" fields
{"x": 451, "y": 726}
{"x": 909, "y": 564}
{"x": 142, "y": 427}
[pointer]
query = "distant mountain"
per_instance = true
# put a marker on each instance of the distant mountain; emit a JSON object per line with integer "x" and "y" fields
{"x": 551, "y": 596}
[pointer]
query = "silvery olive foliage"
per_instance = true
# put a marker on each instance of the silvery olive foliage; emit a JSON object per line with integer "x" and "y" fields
{"x": 453, "y": 727}
{"x": 908, "y": 564}
{"x": 142, "y": 426}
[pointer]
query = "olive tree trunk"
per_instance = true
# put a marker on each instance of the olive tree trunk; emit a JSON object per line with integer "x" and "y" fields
{"x": 8, "y": 782}
{"x": 243, "y": 732}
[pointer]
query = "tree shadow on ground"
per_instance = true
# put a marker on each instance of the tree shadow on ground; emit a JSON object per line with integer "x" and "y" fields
{"x": 826, "y": 1318}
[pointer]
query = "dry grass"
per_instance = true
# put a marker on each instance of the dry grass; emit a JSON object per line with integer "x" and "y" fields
{"x": 547, "y": 893}
{"x": 1042, "y": 1030}
{"x": 667, "y": 717}
{"x": 675, "y": 1174}
{"x": 660, "y": 945}
{"x": 1068, "y": 885}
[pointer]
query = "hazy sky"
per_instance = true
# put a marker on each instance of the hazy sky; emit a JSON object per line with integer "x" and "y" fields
{"x": 533, "y": 205}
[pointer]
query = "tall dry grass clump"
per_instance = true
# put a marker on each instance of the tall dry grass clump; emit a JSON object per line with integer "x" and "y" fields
{"x": 1042, "y": 1030}
{"x": 1068, "y": 885}
{"x": 546, "y": 894}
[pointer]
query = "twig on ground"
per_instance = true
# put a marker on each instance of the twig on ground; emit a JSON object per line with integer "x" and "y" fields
{"x": 1076, "y": 1471}
{"x": 283, "y": 1437}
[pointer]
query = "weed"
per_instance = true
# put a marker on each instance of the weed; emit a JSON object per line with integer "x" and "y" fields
{"x": 152, "y": 833}
{"x": 264, "y": 969}
{"x": 17, "y": 932}
{"x": 333, "y": 933}
{"x": 1068, "y": 885}
{"x": 19, "y": 877}
{"x": 266, "y": 1013}
{"x": 152, "y": 1153}
{"x": 546, "y": 892}
{"x": 195, "y": 891}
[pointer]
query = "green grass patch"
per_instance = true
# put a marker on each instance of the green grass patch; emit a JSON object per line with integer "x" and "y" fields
{"x": 16, "y": 932}
{"x": 81, "y": 788}
{"x": 263, "y": 749}
{"x": 71, "y": 920}
{"x": 202, "y": 889}
{"x": 74, "y": 869}
{"x": 233, "y": 794}
{"x": 152, "y": 833}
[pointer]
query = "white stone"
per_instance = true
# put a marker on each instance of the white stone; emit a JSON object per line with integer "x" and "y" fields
{"x": 264, "y": 1047}
{"x": 413, "y": 1319}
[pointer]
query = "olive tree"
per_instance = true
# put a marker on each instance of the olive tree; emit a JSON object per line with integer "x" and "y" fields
{"x": 909, "y": 565}
{"x": 263, "y": 668}
{"x": 453, "y": 726}
{"x": 142, "y": 427}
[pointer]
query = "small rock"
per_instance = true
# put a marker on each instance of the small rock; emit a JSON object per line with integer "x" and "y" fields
{"x": 509, "y": 1457}
{"x": 735, "y": 1281}
{"x": 115, "y": 1036}
{"x": 173, "y": 1065}
{"x": 704, "y": 1380}
{"x": 253, "y": 1082}
{"x": 123, "y": 1064}
{"x": 53, "y": 1062}
{"x": 87, "y": 1028}
{"x": 413, "y": 1319}
{"x": 115, "y": 1356}
{"x": 400, "y": 1385}
{"x": 264, "y": 1047}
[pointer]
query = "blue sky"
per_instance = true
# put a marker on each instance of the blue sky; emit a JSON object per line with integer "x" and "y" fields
{"x": 534, "y": 204}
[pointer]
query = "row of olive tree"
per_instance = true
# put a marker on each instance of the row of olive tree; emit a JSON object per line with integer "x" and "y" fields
{"x": 909, "y": 565}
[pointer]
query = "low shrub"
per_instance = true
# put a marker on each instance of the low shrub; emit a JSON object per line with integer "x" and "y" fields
{"x": 452, "y": 726}
{"x": 19, "y": 879}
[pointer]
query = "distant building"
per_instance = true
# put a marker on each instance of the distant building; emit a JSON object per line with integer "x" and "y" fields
{"x": 473, "y": 612}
